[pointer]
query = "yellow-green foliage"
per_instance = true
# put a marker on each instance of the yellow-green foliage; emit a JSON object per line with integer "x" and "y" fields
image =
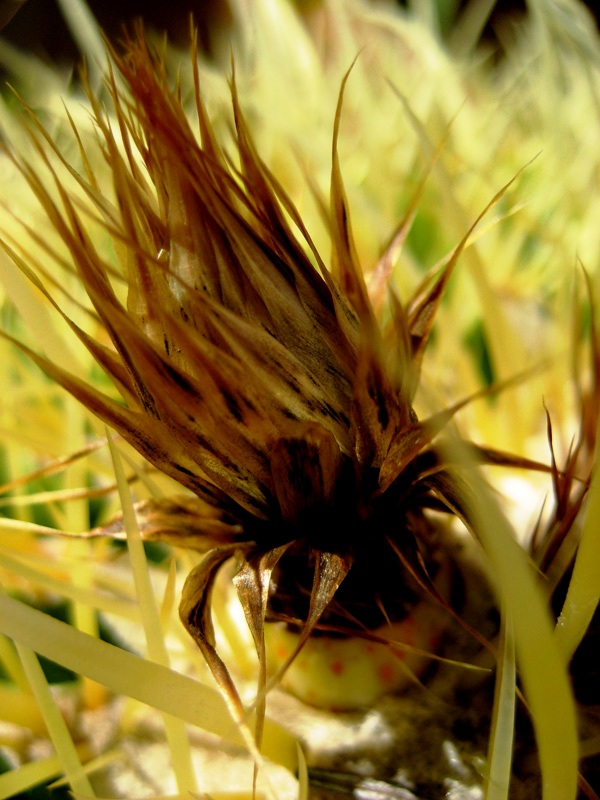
{"x": 427, "y": 137}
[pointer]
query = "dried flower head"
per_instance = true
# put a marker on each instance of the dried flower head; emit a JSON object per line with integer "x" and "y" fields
{"x": 272, "y": 385}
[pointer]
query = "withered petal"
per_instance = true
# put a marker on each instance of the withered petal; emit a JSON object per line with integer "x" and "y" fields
{"x": 412, "y": 438}
{"x": 147, "y": 438}
{"x": 330, "y": 571}
{"x": 181, "y": 521}
{"x": 194, "y": 611}
{"x": 305, "y": 469}
{"x": 379, "y": 410}
{"x": 252, "y": 583}
{"x": 346, "y": 267}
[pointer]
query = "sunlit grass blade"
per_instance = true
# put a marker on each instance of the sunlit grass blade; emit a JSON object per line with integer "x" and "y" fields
{"x": 87, "y": 597}
{"x": 541, "y": 665}
{"x": 17, "y": 527}
{"x": 583, "y": 593}
{"x": 21, "y": 708}
{"x": 303, "y": 784}
{"x": 86, "y": 32}
{"x": 55, "y": 723}
{"x": 11, "y": 664}
{"x": 37, "y": 317}
{"x": 51, "y": 466}
{"x": 26, "y": 777}
{"x": 470, "y": 25}
{"x": 135, "y": 677}
{"x": 179, "y": 747}
{"x": 503, "y": 719}
{"x": 91, "y": 766}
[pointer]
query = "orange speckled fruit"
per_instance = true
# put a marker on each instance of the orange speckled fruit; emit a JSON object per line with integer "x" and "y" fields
{"x": 350, "y": 673}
